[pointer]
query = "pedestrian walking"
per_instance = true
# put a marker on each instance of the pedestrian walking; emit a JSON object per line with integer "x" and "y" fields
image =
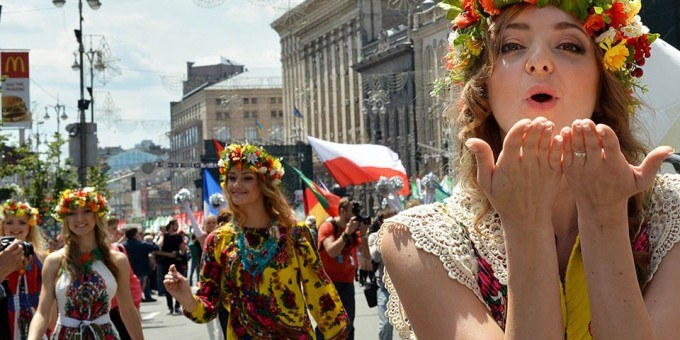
{"x": 259, "y": 266}
{"x": 84, "y": 276}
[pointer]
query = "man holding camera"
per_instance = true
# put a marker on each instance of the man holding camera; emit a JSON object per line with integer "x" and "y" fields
{"x": 338, "y": 240}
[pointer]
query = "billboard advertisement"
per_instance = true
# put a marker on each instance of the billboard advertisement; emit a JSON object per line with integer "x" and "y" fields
{"x": 16, "y": 110}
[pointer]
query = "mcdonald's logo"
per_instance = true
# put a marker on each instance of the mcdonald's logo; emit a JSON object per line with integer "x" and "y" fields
{"x": 15, "y": 64}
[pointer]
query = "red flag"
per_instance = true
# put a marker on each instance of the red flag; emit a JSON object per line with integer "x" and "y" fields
{"x": 359, "y": 163}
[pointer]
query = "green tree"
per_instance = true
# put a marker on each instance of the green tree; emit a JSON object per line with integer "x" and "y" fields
{"x": 98, "y": 178}
{"x": 44, "y": 177}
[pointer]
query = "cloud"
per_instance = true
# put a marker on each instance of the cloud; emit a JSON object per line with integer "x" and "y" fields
{"x": 152, "y": 41}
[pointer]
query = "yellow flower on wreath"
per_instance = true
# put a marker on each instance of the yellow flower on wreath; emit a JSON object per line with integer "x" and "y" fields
{"x": 615, "y": 56}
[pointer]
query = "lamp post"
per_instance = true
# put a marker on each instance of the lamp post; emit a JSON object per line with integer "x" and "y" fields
{"x": 58, "y": 108}
{"x": 82, "y": 103}
{"x": 94, "y": 57}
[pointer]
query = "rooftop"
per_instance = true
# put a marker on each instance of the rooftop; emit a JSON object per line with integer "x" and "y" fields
{"x": 260, "y": 78}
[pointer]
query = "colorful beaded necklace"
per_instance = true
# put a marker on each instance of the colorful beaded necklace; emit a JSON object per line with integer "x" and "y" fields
{"x": 256, "y": 259}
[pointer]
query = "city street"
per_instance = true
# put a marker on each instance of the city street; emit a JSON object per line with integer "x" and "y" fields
{"x": 158, "y": 325}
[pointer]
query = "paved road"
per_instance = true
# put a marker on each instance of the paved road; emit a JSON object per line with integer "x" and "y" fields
{"x": 158, "y": 325}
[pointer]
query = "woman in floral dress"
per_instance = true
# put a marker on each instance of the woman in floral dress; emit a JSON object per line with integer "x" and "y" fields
{"x": 84, "y": 276}
{"x": 20, "y": 220}
{"x": 260, "y": 267}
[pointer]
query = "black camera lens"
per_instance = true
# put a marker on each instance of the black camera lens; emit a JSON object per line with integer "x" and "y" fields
{"x": 5, "y": 241}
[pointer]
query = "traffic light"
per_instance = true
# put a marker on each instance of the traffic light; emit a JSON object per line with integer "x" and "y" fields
{"x": 133, "y": 183}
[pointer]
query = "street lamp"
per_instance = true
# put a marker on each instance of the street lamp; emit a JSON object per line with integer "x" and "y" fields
{"x": 94, "y": 57}
{"x": 59, "y": 108}
{"x": 82, "y": 103}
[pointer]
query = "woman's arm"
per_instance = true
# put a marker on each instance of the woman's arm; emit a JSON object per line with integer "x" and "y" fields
{"x": 43, "y": 313}
{"x": 601, "y": 184}
{"x": 128, "y": 312}
{"x": 203, "y": 306}
{"x": 440, "y": 309}
{"x": 523, "y": 186}
{"x": 321, "y": 297}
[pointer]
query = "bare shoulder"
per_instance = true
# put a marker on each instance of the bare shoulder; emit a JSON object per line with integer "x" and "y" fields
{"x": 118, "y": 258}
{"x": 437, "y": 306}
{"x": 51, "y": 264}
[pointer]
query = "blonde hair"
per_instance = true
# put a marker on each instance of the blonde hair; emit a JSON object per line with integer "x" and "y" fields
{"x": 70, "y": 261}
{"x": 35, "y": 235}
{"x": 472, "y": 117}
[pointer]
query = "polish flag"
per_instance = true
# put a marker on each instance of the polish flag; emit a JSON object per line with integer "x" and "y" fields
{"x": 359, "y": 163}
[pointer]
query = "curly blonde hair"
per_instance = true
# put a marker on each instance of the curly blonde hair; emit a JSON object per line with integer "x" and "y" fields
{"x": 472, "y": 117}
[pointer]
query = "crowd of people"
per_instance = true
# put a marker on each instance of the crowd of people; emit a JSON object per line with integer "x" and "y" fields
{"x": 560, "y": 226}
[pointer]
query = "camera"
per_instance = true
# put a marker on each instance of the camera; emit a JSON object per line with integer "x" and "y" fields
{"x": 5, "y": 241}
{"x": 356, "y": 211}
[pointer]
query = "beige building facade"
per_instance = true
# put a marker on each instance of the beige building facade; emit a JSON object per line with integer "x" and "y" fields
{"x": 320, "y": 41}
{"x": 245, "y": 107}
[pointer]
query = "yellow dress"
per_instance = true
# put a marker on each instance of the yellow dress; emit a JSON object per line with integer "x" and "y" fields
{"x": 275, "y": 301}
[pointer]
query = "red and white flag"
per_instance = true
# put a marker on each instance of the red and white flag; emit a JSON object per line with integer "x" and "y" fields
{"x": 359, "y": 163}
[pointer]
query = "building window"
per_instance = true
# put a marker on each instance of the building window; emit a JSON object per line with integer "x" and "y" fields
{"x": 280, "y": 100}
{"x": 246, "y": 114}
{"x": 223, "y": 133}
{"x": 280, "y": 113}
{"x": 274, "y": 114}
{"x": 253, "y": 114}
{"x": 272, "y": 100}
{"x": 253, "y": 100}
{"x": 251, "y": 133}
{"x": 246, "y": 101}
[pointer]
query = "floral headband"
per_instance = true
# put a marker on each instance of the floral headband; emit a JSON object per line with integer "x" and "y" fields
{"x": 70, "y": 200}
{"x": 614, "y": 25}
{"x": 12, "y": 207}
{"x": 253, "y": 158}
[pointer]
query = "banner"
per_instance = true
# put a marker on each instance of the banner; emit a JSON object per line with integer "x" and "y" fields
{"x": 16, "y": 99}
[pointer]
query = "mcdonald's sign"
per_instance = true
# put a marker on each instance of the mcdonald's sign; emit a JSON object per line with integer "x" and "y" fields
{"x": 14, "y": 64}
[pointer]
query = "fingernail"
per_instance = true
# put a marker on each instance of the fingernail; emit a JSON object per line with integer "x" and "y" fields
{"x": 470, "y": 146}
{"x": 586, "y": 127}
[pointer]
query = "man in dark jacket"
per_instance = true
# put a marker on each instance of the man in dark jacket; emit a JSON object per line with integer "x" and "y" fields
{"x": 138, "y": 254}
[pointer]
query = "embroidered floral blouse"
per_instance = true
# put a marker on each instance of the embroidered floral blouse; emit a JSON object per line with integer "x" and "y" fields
{"x": 275, "y": 304}
{"x": 475, "y": 257}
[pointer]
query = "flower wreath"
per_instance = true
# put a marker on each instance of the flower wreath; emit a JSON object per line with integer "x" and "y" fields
{"x": 614, "y": 25}
{"x": 71, "y": 199}
{"x": 12, "y": 207}
{"x": 253, "y": 158}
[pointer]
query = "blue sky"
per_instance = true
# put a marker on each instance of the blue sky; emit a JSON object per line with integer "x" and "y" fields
{"x": 150, "y": 42}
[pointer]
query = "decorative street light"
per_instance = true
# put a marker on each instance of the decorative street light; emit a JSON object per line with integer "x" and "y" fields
{"x": 94, "y": 57}
{"x": 82, "y": 103}
{"x": 58, "y": 108}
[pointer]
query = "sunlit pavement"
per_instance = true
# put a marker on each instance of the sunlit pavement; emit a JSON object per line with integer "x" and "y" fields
{"x": 157, "y": 324}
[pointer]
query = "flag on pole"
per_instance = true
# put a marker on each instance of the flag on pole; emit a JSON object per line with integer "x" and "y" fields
{"x": 259, "y": 127}
{"x": 210, "y": 186}
{"x": 218, "y": 147}
{"x": 296, "y": 112}
{"x": 359, "y": 163}
{"x": 318, "y": 202}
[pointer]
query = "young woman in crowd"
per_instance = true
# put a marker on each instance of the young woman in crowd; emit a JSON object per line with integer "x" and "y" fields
{"x": 83, "y": 277}
{"x": 21, "y": 286}
{"x": 560, "y": 226}
{"x": 258, "y": 266}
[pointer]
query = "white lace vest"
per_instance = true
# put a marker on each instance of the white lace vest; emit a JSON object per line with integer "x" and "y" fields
{"x": 446, "y": 231}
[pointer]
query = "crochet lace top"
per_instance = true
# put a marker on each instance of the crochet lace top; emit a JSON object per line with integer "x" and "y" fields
{"x": 446, "y": 231}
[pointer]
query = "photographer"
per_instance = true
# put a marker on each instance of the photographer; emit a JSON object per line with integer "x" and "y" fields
{"x": 338, "y": 241}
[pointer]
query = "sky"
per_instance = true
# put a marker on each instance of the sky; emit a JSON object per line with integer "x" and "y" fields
{"x": 150, "y": 42}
